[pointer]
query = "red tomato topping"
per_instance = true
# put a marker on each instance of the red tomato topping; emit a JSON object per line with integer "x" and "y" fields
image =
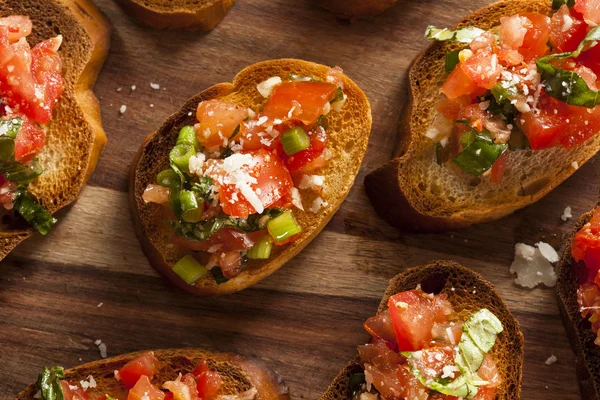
{"x": 591, "y": 59}
{"x": 29, "y": 141}
{"x": 304, "y": 101}
{"x": 18, "y": 27}
{"x": 567, "y": 30}
{"x": 413, "y": 314}
{"x": 458, "y": 84}
{"x": 301, "y": 161}
{"x": 586, "y": 244}
{"x": 218, "y": 120}
{"x": 209, "y": 382}
{"x": 380, "y": 327}
{"x": 498, "y": 169}
{"x": 145, "y": 390}
{"x": 224, "y": 240}
{"x": 535, "y": 43}
{"x": 73, "y": 392}
{"x": 145, "y": 365}
{"x": 590, "y": 9}
{"x": 433, "y": 360}
{"x": 184, "y": 387}
{"x": 488, "y": 372}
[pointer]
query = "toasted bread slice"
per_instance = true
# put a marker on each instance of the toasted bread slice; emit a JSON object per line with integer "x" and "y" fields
{"x": 414, "y": 193}
{"x": 75, "y": 137}
{"x": 468, "y": 292}
{"x": 179, "y": 14}
{"x": 357, "y": 8}
{"x": 239, "y": 373}
{"x": 578, "y": 329}
{"x": 348, "y": 134}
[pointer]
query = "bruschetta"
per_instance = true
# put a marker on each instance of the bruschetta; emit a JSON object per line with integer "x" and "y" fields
{"x": 247, "y": 173}
{"x": 579, "y": 299}
{"x": 175, "y": 374}
{"x": 502, "y": 109}
{"x": 441, "y": 332}
{"x": 50, "y": 130}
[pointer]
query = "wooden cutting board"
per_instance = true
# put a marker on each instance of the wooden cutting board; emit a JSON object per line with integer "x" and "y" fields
{"x": 88, "y": 279}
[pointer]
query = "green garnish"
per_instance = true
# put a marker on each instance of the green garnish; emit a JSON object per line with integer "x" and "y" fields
{"x": 556, "y": 4}
{"x": 48, "y": 383}
{"x": 262, "y": 249}
{"x": 189, "y": 269}
{"x": 192, "y": 208}
{"x": 452, "y": 60}
{"x": 569, "y": 86}
{"x": 168, "y": 178}
{"x": 217, "y": 273}
{"x": 357, "y": 380}
{"x": 339, "y": 95}
{"x": 480, "y": 155}
{"x": 462, "y": 35}
{"x": 180, "y": 155}
{"x": 295, "y": 140}
{"x": 32, "y": 211}
{"x": 283, "y": 226}
{"x": 187, "y": 135}
{"x": 21, "y": 174}
{"x": 203, "y": 188}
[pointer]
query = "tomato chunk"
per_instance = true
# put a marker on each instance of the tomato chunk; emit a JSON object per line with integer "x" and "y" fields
{"x": 413, "y": 314}
{"x": 18, "y": 26}
{"x": 73, "y": 391}
{"x": 304, "y": 101}
{"x": 535, "y": 42}
{"x": 209, "y": 382}
{"x": 380, "y": 327}
{"x": 183, "y": 388}
{"x": 586, "y": 244}
{"x": 567, "y": 30}
{"x": 145, "y": 390}
{"x": 458, "y": 84}
{"x": 590, "y": 9}
{"x": 305, "y": 161}
{"x": 145, "y": 365}
{"x": 218, "y": 120}
{"x": 29, "y": 141}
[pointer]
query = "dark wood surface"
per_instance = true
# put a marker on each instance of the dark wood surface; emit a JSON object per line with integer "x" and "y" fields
{"x": 306, "y": 319}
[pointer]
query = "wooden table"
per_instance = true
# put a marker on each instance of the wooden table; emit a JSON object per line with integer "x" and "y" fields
{"x": 89, "y": 280}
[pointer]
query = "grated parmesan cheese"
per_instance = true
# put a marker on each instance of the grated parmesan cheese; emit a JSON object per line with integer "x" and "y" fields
{"x": 534, "y": 265}
{"x": 551, "y": 360}
{"x": 313, "y": 182}
{"x": 296, "y": 199}
{"x": 154, "y": 86}
{"x": 566, "y": 214}
{"x": 266, "y": 87}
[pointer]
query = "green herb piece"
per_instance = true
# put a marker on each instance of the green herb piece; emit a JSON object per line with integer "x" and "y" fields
{"x": 322, "y": 121}
{"x": 462, "y": 35}
{"x": 295, "y": 140}
{"x": 187, "y": 135}
{"x": 192, "y": 208}
{"x": 168, "y": 178}
{"x": 32, "y": 211}
{"x": 479, "y": 156}
{"x": 569, "y": 86}
{"x": 204, "y": 188}
{"x": 262, "y": 249}
{"x": 556, "y": 4}
{"x": 217, "y": 273}
{"x": 21, "y": 174}
{"x": 180, "y": 156}
{"x": 48, "y": 383}
{"x": 190, "y": 270}
{"x": 10, "y": 127}
{"x": 283, "y": 226}
{"x": 357, "y": 380}
{"x": 467, "y": 138}
{"x": 452, "y": 60}
{"x": 339, "y": 95}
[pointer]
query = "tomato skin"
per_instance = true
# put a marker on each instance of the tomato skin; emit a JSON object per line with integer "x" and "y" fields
{"x": 145, "y": 390}
{"x": 380, "y": 327}
{"x": 29, "y": 141}
{"x": 567, "y": 40}
{"x": 218, "y": 120}
{"x": 145, "y": 365}
{"x": 590, "y": 9}
{"x": 535, "y": 43}
{"x": 591, "y": 59}
{"x": 209, "y": 382}
{"x": 458, "y": 84}
{"x": 586, "y": 243}
{"x": 303, "y": 101}
{"x": 413, "y": 314}
{"x": 497, "y": 172}
{"x": 73, "y": 394}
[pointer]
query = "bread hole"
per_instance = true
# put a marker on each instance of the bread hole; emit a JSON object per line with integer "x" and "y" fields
{"x": 349, "y": 146}
{"x": 451, "y": 199}
{"x": 475, "y": 181}
{"x": 434, "y": 283}
{"x": 422, "y": 187}
{"x": 531, "y": 188}
{"x": 435, "y": 188}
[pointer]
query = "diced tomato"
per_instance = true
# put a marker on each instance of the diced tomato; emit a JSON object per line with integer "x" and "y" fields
{"x": 169, "y": 396}
{"x": 307, "y": 160}
{"x": 567, "y": 30}
{"x": 380, "y": 327}
{"x": 483, "y": 68}
{"x": 591, "y": 59}
{"x": 145, "y": 390}
{"x": 253, "y": 136}
{"x": 498, "y": 169}
{"x": 590, "y": 9}
{"x": 588, "y": 76}
{"x": 304, "y": 101}
{"x": 145, "y": 365}
{"x": 73, "y": 394}
{"x": 273, "y": 181}
{"x": 218, "y": 120}
{"x": 475, "y": 115}
{"x": 433, "y": 360}
{"x": 388, "y": 380}
{"x": 458, "y": 83}
{"x": 588, "y": 295}
{"x": 231, "y": 264}
{"x": 155, "y": 193}
{"x": 535, "y": 43}
{"x": 183, "y": 388}
{"x": 379, "y": 354}
{"x": 209, "y": 382}
{"x": 513, "y": 30}
{"x": 586, "y": 244}
{"x": 488, "y": 372}
{"x": 413, "y": 314}
{"x": 19, "y": 26}
{"x": 223, "y": 241}
{"x": 412, "y": 388}
{"x": 29, "y": 141}
{"x": 450, "y": 108}
{"x": 447, "y": 332}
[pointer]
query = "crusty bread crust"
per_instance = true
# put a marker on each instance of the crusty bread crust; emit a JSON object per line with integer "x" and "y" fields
{"x": 348, "y": 134}
{"x": 413, "y": 193}
{"x": 75, "y": 137}
{"x": 468, "y": 292}
{"x": 239, "y": 373}
{"x": 173, "y": 14}
{"x": 578, "y": 329}
{"x": 356, "y": 8}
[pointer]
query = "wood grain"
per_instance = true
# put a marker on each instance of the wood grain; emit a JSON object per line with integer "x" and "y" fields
{"x": 305, "y": 320}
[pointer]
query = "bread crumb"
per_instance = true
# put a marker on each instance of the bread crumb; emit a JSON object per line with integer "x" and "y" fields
{"x": 119, "y": 89}
{"x": 100, "y": 305}
{"x": 551, "y": 360}
{"x": 122, "y": 109}
{"x": 133, "y": 88}
{"x": 97, "y": 342}
{"x": 102, "y": 348}
{"x": 575, "y": 165}
{"x": 154, "y": 86}
{"x": 566, "y": 214}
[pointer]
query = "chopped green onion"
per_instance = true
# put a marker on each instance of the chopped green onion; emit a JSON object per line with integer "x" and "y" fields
{"x": 295, "y": 140}
{"x": 217, "y": 273}
{"x": 262, "y": 249}
{"x": 283, "y": 226}
{"x": 479, "y": 156}
{"x": 180, "y": 155}
{"x": 187, "y": 134}
{"x": 189, "y": 269}
{"x": 452, "y": 60}
{"x": 167, "y": 178}
{"x": 467, "y": 138}
{"x": 191, "y": 208}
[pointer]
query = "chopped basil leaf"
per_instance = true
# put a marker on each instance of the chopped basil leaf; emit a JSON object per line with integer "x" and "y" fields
{"x": 452, "y": 60}
{"x": 203, "y": 187}
{"x": 48, "y": 383}
{"x": 467, "y": 138}
{"x": 32, "y": 211}
{"x": 556, "y": 4}
{"x": 462, "y": 35}
{"x": 479, "y": 155}
{"x": 569, "y": 86}
{"x": 109, "y": 397}
{"x": 217, "y": 273}
{"x": 339, "y": 95}
{"x": 10, "y": 127}
{"x": 21, "y": 174}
